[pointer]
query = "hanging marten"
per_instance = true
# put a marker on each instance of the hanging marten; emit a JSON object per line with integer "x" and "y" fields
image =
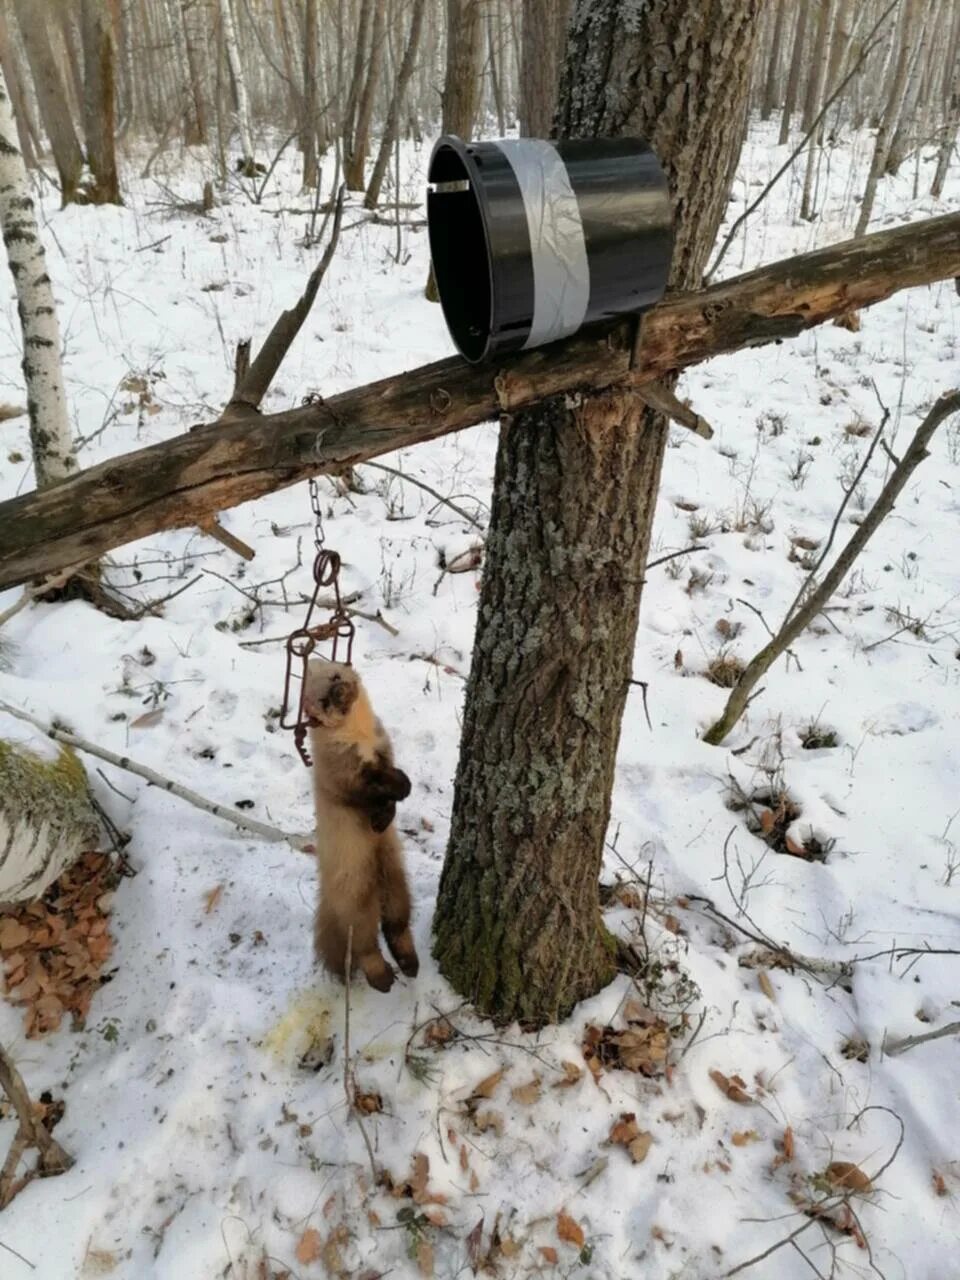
{"x": 356, "y": 787}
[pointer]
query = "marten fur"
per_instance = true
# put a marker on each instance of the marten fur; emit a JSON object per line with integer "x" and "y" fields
{"x": 356, "y": 787}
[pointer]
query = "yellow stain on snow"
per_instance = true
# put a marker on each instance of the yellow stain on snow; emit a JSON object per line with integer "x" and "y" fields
{"x": 306, "y": 1022}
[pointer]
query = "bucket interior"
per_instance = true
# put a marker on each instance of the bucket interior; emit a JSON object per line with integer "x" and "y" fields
{"x": 458, "y": 247}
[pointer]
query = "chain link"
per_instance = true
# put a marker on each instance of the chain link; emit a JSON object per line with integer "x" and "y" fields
{"x": 318, "y": 534}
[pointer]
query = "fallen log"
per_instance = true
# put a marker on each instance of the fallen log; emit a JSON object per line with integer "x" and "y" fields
{"x": 182, "y": 481}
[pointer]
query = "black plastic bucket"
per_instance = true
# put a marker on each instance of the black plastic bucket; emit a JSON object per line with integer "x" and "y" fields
{"x": 531, "y": 240}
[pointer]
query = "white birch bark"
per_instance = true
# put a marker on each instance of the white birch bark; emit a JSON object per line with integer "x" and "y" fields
{"x": 232, "y": 46}
{"x": 50, "y": 439}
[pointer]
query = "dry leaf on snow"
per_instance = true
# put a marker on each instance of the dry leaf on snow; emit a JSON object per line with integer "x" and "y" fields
{"x": 571, "y": 1075}
{"x": 148, "y": 719}
{"x": 744, "y": 1137}
{"x": 847, "y": 1177}
{"x": 570, "y": 1231}
{"x": 368, "y": 1104}
{"x": 527, "y": 1094}
{"x": 550, "y": 1254}
{"x": 489, "y": 1119}
{"x": 487, "y": 1086}
{"x": 626, "y": 1133}
{"x": 308, "y": 1247}
{"x": 211, "y": 898}
{"x": 425, "y": 1257}
{"x": 733, "y": 1086}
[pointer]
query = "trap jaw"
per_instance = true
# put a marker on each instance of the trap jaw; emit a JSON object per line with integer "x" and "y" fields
{"x": 301, "y": 645}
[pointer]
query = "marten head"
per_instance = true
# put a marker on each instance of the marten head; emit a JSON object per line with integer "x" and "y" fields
{"x": 329, "y": 692}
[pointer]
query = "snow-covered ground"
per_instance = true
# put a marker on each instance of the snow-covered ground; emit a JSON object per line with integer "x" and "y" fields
{"x": 204, "y": 1147}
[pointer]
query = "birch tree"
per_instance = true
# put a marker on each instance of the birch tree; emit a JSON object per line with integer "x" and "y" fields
{"x": 50, "y": 439}
{"x": 232, "y": 47}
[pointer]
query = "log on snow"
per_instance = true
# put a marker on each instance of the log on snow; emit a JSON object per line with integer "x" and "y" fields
{"x": 180, "y": 482}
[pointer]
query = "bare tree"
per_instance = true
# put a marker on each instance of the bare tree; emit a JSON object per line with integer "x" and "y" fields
{"x": 891, "y": 112}
{"x": 50, "y": 439}
{"x": 308, "y": 110}
{"x": 237, "y": 75}
{"x": 392, "y": 123}
{"x": 796, "y": 66}
{"x": 356, "y": 159}
{"x": 51, "y": 98}
{"x": 99, "y": 105}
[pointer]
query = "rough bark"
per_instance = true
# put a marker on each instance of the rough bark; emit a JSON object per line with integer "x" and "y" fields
{"x": 541, "y": 57}
{"x": 50, "y": 440}
{"x": 180, "y": 482}
{"x": 392, "y": 124}
{"x": 356, "y": 159}
{"x": 99, "y": 102}
{"x": 308, "y": 99}
{"x": 51, "y": 98}
{"x": 518, "y": 927}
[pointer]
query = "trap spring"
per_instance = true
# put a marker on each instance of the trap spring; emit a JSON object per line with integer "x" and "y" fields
{"x": 301, "y": 644}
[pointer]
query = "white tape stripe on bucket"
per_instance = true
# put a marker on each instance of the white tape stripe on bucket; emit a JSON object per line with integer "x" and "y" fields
{"x": 561, "y": 272}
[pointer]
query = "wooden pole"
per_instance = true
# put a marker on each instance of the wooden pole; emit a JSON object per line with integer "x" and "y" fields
{"x": 180, "y": 482}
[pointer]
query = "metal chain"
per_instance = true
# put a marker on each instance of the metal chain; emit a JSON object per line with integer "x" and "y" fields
{"x": 318, "y": 534}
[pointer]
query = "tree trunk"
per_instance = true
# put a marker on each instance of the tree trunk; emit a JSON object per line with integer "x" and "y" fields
{"x": 461, "y": 85}
{"x": 541, "y": 57}
{"x": 392, "y": 124}
{"x": 99, "y": 95}
{"x": 355, "y": 163}
{"x": 26, "y": 129}
{"x": 772, "y": 81}
{"x": 51, "y": 98}
{"x": 194, "y": 41}
{"x": 906, "y": 129}
{"x": 308, "y": 100}
{"x": 496, "y": 79}
{"x": 50, "y": 439}
{"x": 818, "y": 79}
{"x": 951, "y": 109}
{"x": 889, "y": 118}
{"x": 793, "y": 78}
{"x": 518, "y": 928}
{"x": 816, "y": 72}
{"x": 232, "y": 47}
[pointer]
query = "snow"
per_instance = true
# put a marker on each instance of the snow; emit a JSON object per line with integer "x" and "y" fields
{"x": 202, "y": 1145}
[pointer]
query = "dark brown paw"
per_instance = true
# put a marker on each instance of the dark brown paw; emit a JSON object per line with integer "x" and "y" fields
{"x": 409, "y": 964}
{"x": 380, "y": 977}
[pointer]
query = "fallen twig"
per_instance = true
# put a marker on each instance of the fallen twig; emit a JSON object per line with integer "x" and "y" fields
{"x": 52, "y": 583}
{"x": 422, "y": 484}
{"x": 32, "y": 1132}
{"x": 893, "y": 1047}
{"x": 301, "y": 843}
